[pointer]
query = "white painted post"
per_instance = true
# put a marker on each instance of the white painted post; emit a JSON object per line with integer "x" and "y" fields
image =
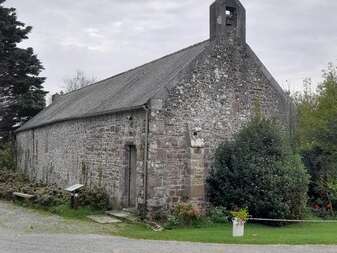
{"x": 238, "y": 228}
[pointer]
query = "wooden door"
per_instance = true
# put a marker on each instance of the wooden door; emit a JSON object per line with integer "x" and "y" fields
{"x": 132, "y": 175}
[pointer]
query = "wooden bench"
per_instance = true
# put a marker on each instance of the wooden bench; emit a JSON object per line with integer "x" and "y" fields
{"x": 23, "y": 195}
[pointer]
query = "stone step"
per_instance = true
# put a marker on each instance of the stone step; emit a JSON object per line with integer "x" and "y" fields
{"x": 130, "y": 217}
{"x": 104, "y": 219}
{"x": 131, "y": 210}
{"x": 122, "y": 215}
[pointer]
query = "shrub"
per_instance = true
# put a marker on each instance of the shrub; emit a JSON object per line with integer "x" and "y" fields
{"x": 7, "y": 158}
{"x": 218, "y": 215}
{"x": 184, "y": 214}
{"x": 95, "y": 198}
{"x": 10, "y": 182}
{"x": 172, "y": 222}
{"x": 316, "y": 136}
{"x": 47, "y": 196}
{"x": 256, "y": 170}
{"x": 322, "y": 197}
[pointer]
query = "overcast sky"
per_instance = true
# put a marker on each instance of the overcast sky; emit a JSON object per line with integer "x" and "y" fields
{"x": 294, "y": 38}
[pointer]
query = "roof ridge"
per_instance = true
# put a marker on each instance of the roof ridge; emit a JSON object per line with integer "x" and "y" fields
{"x": 135, "y": 68}
{"x": 158, "y": 71}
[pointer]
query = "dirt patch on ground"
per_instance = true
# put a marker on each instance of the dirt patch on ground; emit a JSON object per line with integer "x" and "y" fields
{"x": 22, "y": 220}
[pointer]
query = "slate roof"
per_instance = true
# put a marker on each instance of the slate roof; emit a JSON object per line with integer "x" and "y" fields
{"x": 126, "y": 91}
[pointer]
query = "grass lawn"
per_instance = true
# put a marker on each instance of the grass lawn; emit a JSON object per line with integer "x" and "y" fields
{"x": 63, "y": 210}
{"x": 321, "y": 233}
{"x": 297, "y": 234}
{"x": 66, "y": 212}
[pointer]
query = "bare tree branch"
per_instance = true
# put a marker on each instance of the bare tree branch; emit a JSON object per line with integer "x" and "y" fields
{"x": 79, "y": 81}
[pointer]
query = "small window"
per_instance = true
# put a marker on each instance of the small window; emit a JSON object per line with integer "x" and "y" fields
{"x": 230, "y": 16}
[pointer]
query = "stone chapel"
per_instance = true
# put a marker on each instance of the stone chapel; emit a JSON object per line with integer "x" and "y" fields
{"x": 148, "y": 136}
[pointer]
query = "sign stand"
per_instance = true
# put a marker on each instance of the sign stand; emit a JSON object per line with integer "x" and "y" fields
{"x": 73, "y": 190}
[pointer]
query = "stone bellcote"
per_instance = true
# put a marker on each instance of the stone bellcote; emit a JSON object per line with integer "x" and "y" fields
{"x": 228, "y": 21}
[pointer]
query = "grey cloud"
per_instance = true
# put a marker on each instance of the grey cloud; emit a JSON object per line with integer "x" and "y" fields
{"x": 295, "y": 39}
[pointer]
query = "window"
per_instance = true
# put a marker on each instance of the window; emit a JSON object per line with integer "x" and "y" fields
{"x": 230, "y": 16}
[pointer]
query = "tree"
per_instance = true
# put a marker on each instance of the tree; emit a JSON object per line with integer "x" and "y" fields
{"x": 317, "y": 139}
{"x": 79, "y": 81}
{"x": 21, "y": 91}
{"x": 258, "y": 171}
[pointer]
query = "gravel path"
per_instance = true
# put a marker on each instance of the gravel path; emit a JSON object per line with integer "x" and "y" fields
{"x": 26, "y": 231}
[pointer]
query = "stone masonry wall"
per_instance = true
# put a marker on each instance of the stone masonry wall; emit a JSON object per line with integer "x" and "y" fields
{"x": 91, "y": 151}
{"x": 210, "y": 102}
{"x": 216, "y": 97}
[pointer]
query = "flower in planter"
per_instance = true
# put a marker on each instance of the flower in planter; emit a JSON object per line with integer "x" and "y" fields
{"x": 242, "y": 215}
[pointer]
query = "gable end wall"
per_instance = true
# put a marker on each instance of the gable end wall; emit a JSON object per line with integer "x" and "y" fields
{"x": 209, "y": 105}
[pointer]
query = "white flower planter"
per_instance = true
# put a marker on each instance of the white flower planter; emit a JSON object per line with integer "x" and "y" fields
{"x": 238, "y": 228}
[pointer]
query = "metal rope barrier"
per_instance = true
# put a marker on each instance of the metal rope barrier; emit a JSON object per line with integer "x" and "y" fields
{"x": 295, "y": 221}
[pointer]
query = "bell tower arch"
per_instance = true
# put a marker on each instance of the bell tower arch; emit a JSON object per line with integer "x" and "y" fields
{"x": 228, "y": 21}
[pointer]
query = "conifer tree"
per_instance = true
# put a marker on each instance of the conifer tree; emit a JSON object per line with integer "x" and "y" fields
{"x": 21, "y": 91}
